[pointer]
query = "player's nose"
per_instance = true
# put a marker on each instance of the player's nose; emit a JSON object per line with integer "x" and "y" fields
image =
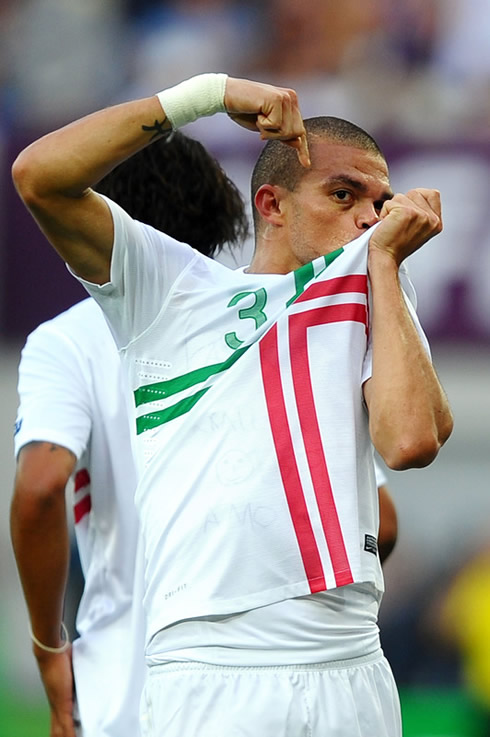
{"x": 367, "y": 216}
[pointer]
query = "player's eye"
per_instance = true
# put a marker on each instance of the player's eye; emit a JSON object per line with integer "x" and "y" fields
{"x": 343, "y": 195}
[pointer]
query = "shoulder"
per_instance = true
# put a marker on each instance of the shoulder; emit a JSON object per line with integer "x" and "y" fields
{"x": 73, "y": 332}
{"x": 129, "y": 230}
{"x": 69, "y": 318}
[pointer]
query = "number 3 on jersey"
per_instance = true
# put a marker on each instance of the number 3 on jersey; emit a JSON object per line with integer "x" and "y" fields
{"x": 255, "y": 312}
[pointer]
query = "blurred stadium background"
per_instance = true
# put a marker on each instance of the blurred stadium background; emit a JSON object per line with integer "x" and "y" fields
{"x": 416, "y": 74}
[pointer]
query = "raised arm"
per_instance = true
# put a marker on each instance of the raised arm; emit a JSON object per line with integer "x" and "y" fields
{"x": 54, "y": 175}
{"x": 40, "y": 540}
{"x": 409, "y": 415}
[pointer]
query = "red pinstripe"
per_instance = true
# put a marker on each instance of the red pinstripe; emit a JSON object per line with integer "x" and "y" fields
{"x": 82, "y": 508}
{"x": 82, "y": 479}
{"x": 269, "y": 358}
{"x": 298, "y": 326}
{"x": 337, "y": 285}
{"x": 276, "y": 407}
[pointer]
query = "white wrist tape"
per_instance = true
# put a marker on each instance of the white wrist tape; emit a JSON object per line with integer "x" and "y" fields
{"x": 194, "y": 98}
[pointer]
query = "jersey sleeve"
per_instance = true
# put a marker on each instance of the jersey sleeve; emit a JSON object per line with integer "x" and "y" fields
{"x": 145, "y": 266}
{"x": 54, "y": 400}
{"x": 411, "y": 302}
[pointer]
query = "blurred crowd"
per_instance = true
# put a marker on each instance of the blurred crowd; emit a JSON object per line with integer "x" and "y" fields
{"x": 384, "y": 63}
{"x": 414, "y": 73}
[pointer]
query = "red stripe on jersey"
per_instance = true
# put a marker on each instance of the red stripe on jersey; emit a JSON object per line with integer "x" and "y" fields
{"x": 298, "y": 327}
{"x": 276, "y": 407}
{"x": 82, "y": 479}
{"x": 82, "y": 508}
{"x": 338, "y": 285}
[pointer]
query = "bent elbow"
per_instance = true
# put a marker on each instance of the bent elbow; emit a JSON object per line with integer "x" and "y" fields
{"x": 413, "y": 453}
{"x": 23, "y": 178}
{"x": 416, "y": 446}
{"x": 446, "y": 427}
{"x": 31, "y": 178}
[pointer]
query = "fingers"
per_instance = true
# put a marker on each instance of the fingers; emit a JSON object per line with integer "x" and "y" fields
{"x": 283, "y": 121}
{"x": 301, "y": 145}
{"x": 273, "y": 111}
{"x": 279, "y": 111}
{"x": 408, "y": 221}
{"x": 426, "y": 199}
{"x": 421, "y": 204}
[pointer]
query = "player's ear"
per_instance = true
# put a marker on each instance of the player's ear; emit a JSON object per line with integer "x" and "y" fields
{"x": 269, "y": 203}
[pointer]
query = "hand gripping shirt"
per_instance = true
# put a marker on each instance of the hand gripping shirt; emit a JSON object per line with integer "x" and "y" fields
{"x": 71, "y": 393}
{"x": 259, "y": 483}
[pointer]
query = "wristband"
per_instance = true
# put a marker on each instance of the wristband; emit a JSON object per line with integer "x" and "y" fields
{"x": 48, "y": 649}
{"x": 194, "y": 98}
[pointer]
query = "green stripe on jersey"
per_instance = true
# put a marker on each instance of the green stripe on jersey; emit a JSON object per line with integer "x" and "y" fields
{"x": 306, "y": 273}
{"x": 164, "y": 389}
{"x": 155, "y": 419}
{"x": 329, "y": 257}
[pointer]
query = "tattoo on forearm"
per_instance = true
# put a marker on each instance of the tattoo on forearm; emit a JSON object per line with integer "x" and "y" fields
{"x": 160, "y": 128}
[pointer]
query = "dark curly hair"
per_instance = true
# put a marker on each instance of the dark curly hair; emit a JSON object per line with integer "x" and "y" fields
{"x": 176, "y": 186}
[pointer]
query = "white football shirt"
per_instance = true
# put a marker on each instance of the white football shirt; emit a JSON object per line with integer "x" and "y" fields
{"x": 72, "y": 393}
{"x": 259, "y": 483}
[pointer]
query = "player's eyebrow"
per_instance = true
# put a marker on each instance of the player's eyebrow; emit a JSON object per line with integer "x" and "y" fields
{"x": 344, "y": 179}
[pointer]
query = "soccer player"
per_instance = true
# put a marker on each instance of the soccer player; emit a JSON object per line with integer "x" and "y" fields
{"x": 73, "y": 420}
{"x": 258, "y": 502}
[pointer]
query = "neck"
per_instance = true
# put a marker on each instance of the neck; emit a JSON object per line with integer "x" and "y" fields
{"x": 271, "y": 255}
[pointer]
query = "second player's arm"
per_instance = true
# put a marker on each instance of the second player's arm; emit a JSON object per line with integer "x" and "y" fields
{"x": 40, "y": 539}
{"x": 388, "y": 523}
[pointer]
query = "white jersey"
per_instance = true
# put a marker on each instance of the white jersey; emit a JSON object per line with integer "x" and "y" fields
{"x": 71, "y": 393}
{"x": 259, "y": 483}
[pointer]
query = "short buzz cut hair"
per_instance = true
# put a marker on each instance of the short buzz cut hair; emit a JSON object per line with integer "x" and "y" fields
{"x": 279, "y": 164}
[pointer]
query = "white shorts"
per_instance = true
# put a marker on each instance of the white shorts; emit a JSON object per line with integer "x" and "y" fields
{"x": 353, "y": 698}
